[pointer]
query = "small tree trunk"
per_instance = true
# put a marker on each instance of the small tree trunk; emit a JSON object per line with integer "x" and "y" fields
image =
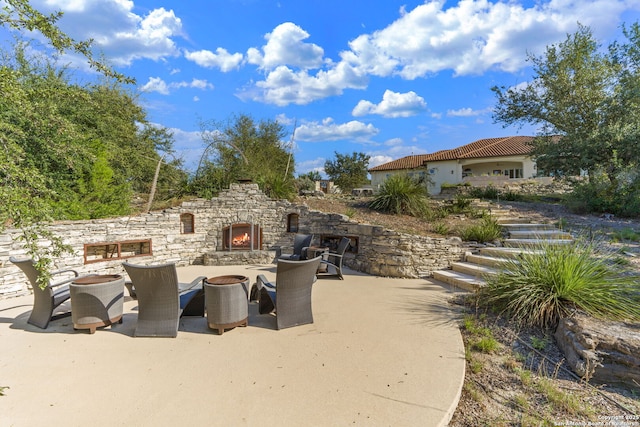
{"x": 154, "y": 183}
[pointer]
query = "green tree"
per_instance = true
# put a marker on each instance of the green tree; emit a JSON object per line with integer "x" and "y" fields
{"x": 75, "y": 134}
{"x": 348, "y": 171}
{"x": 24, "y": 188}
{"x": 311, "y": 175}
{"x": 590, "y": 98}
{"x": 240, "y": 149}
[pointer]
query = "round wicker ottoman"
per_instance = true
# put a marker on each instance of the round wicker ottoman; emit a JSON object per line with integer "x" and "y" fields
{"x": 226, "y": 302}
{"x": 96, "y": 301}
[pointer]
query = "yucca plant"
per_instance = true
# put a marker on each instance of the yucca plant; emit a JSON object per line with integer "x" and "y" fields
{"x": 553, "y": 281}
{"x": 402, "y": 194}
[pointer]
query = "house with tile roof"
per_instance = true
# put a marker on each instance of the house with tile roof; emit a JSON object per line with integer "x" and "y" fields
{"x": 495, "y": 159}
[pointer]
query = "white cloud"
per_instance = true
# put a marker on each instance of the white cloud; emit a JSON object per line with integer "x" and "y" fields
{"x": 296, "y": 72}
{"x": 379, "y": 159}
{"x": 156, "y": 84}
{"x": 393, "y": 104}
{"x": 392, "y": 152}
{"x": 474, "y": 35}
{"x": 221, "y": 59}
{"x": 284, "y": 86}
{"x": 471, "y": 37}
{"x": 467, "y": 112}
{"x": 117, "y": 31}
{"x": 285, "y": 46}
{"x": 200, "y": 84}
{"x": 316, "y": 165}
{"x": 327, "y": 130}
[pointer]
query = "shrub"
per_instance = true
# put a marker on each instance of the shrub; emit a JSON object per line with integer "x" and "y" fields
{"x": 488, "y": 192}
{"x": 441, "y": 228}
{"x": 461, "y": 204}
{"x": 597, "y": 196}
{"x": 487, "y": 230}
{"x": 402, "y": 194}
{"x": 512, "y": 196}
{"x": 553, "y": 281}
{"x": 626, "y": 235}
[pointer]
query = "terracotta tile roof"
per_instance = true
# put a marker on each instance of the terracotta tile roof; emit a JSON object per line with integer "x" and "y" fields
{"x": 409, "y": 162}
{"x": 488, "y": 147}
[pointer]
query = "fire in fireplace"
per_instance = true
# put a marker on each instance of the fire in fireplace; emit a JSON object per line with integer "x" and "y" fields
{"x": 242, "y": 237}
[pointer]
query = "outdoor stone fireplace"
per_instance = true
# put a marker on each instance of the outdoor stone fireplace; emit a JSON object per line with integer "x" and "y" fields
{"x": 242, "y": 237}
{"x": 194, "y": 233}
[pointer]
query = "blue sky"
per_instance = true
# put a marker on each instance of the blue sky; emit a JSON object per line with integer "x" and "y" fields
{"x": 383, "y": 77}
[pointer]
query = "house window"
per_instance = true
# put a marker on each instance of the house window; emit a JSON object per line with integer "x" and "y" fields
{"x": 513, "y": 173}
{"x": 186, "y": 223}
{"x": 292, "y": 223}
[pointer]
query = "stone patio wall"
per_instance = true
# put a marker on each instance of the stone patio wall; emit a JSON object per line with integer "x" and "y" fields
{"x": 380, "y": 252}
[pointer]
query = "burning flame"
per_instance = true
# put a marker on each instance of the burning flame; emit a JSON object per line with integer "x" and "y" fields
{"x": 241, "y": 240}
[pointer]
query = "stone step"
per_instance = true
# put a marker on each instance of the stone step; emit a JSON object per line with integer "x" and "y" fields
{"x": 503, "y": 220}
{"x": 528, "y": 226}
{"x": 459, "y": 280}
{"x": 470, "y": 274}
{"x": 489, "y": 261}
{"x": 472, "y": 269}
{"x": 539, "y": 234}
{"x": 505, "y": 252}
{"x": 528, "y": 243}
{"x": 499, "y": 214}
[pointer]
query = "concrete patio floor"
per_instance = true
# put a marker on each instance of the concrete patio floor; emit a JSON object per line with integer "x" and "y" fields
{"x": 381, "y": 352}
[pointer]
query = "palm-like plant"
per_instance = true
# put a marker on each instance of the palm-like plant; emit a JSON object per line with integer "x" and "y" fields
{"x": 402, "y": 194}
{"x": 553, "y": 281}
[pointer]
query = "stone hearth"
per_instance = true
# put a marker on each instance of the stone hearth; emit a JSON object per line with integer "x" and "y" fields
{"x": 238, "y": 257}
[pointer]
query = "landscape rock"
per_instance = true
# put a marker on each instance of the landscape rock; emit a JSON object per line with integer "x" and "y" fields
{"x": 604, "y": 352}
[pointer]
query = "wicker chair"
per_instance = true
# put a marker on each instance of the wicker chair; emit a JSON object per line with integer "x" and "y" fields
{"x": 162, "y": 299}
{"x": 301, "y": 243}
{"x": 333, "y": 260}
{"x": 290, "y": 296}
{"x": 46, "y": 300}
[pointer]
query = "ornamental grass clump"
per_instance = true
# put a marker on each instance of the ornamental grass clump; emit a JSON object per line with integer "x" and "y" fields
{"x": 487, "y": 230}
{"x": 402, "y": 194}
{"x": 550, "y": 281}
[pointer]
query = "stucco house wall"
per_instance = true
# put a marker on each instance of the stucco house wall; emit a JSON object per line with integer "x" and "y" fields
{"x": 505, "y": 158}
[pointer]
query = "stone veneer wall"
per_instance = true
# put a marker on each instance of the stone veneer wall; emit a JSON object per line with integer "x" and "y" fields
{"x": 381, "y": 252}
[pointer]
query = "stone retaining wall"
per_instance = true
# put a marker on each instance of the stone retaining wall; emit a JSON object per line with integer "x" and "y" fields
{"x": 380, "y": 252}
{"x": 524, "y": 186}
